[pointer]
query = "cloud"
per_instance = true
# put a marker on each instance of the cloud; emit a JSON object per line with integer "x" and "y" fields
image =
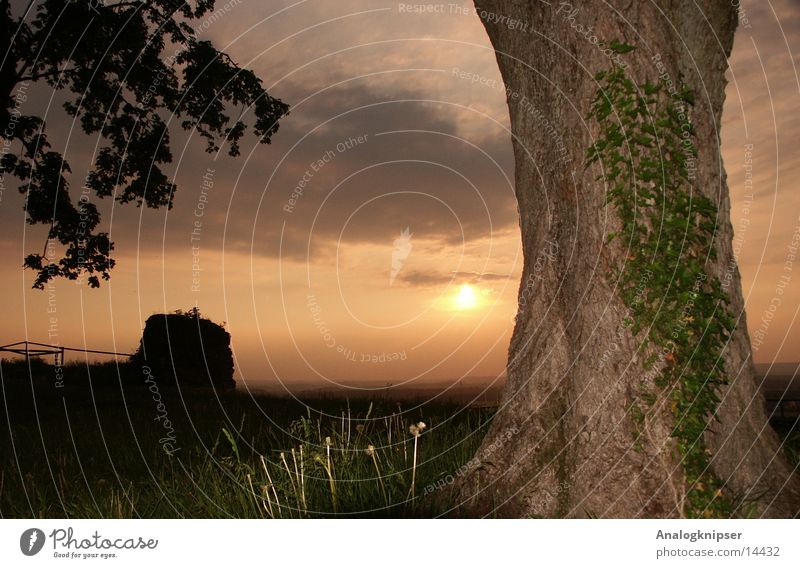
{"x": 431, "y": 279}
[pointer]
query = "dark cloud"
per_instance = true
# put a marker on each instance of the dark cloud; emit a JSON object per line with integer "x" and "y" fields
{"x": 348, "y": 71}
{"x": 364, "y": 175}
{"x": 430, "y": 279}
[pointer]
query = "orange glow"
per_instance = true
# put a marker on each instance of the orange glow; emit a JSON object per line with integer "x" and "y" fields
{"x": 466, "y": 299}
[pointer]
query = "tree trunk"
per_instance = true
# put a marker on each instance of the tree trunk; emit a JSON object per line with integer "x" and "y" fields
{"x": 563, "y": 443}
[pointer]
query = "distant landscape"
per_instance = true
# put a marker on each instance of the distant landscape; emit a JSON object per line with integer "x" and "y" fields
{"x": 781, "y": 388}
{"x": 473, "y": 391}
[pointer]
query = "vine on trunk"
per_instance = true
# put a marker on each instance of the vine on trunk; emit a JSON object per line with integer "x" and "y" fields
{"x": 647, "y": 154}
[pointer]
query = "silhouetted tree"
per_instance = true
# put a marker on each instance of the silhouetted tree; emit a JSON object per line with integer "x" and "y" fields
{"x": 127, "y": 66}
{"x": 187, "y": 349}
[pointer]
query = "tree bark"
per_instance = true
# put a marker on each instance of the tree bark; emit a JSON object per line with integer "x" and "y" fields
{"x": 562, "y": 443}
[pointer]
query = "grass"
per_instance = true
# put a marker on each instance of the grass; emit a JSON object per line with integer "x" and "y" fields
{"x": 98, "y": 449}
{"x": 87, "y": 451}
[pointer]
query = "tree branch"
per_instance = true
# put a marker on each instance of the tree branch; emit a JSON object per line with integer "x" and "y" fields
{"x": 38, "y": 76}
{"x": 25, "y": 13}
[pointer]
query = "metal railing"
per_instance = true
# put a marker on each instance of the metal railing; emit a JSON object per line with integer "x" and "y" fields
{"x": 33, "y": 349}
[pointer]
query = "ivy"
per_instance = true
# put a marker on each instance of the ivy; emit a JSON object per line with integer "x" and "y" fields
{"x": 646, "y": 150}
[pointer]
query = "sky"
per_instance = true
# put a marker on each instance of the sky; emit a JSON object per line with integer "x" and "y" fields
{"x": 376, "y": 240}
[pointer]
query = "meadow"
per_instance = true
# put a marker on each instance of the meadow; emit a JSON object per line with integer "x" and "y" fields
{"x": 111, "y": 444}
{"x": 102, "y": 447}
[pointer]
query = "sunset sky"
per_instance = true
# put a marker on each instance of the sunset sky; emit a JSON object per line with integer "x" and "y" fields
{"x": 396, "y": 154}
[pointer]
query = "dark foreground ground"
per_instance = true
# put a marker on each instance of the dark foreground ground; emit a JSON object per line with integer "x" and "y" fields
{"x": 97, "y": 449}
{"x": 100, "y": 450}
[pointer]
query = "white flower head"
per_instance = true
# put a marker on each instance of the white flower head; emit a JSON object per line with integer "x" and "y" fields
{"x": 370, "y": 450}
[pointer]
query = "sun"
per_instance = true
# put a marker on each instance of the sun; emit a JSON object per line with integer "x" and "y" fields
{"x": 466, "y": 299}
